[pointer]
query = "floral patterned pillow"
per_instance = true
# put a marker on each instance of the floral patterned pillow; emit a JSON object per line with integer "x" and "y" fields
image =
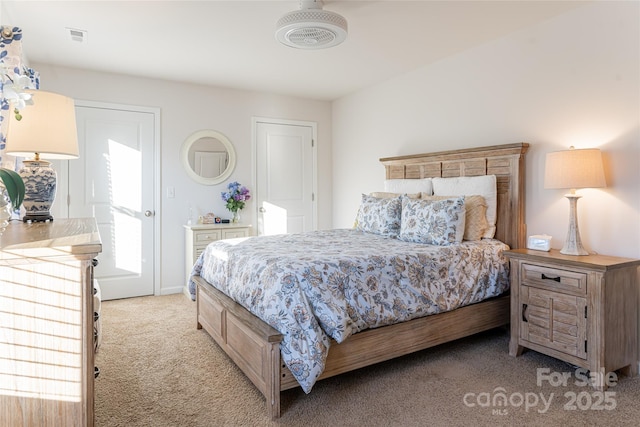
{"x": 379, "y": 216}
{"x": 475, "y": 219}
{"x": 434, "y": 222}
{"x": 483, "y": 185}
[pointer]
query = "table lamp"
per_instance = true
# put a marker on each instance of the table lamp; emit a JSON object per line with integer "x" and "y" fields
{"x": 574, "y": 169}
{"x": 46, "y": 130}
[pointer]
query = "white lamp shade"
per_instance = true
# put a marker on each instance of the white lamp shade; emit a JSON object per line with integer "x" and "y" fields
{"x": 48, "y": 127}
{"x": 574, "y": 169}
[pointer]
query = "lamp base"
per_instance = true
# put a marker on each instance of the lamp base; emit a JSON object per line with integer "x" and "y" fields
{"x": 573, "y": 244}
{"x": 40, "y": 183}
{"x": 37, "y": 218}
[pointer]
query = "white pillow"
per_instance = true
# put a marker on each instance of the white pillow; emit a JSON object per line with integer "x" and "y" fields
{"x": 408, "y": 186}
{"x": 484, "y": 185}
{"x": 385, "y": 195}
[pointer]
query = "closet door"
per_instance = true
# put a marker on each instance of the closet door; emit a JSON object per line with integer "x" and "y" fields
{"x": 285, "y": 174}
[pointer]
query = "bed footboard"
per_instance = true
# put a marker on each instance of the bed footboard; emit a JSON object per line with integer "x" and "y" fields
{"x": 253, "y": 345}
{"x": 380, "y": 344}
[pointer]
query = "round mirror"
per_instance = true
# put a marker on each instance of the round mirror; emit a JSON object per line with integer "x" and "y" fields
{"x": 208, "y": 157}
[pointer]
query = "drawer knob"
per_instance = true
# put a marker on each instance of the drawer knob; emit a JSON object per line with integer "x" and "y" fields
{"x": 524, "y": 312}
{"x": 555, "y": 279}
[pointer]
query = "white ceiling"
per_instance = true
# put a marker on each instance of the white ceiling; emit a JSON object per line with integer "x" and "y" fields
{"x": 232, "y": 44}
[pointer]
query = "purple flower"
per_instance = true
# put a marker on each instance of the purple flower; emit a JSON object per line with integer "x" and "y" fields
{"x": 236, "y": 196}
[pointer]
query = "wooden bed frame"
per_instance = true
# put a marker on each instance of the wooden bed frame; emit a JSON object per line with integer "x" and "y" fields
{"x": 255, "y": 346}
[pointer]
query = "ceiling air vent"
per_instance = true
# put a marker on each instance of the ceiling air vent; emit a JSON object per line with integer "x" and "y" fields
{"x": 79, "y": 36}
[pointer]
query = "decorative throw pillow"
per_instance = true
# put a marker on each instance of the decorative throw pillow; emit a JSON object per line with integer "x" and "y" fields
{"x": 379, "y": 216}
{"x": 434, "y": 222}
{"x": 475, "y": 218}
{"x": 402, "y": 186}
{"x": 484, "y": 186}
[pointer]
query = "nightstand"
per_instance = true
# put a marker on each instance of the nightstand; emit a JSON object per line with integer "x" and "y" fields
{"x": 198, "y": 236}
{"x": 580, "y": 309}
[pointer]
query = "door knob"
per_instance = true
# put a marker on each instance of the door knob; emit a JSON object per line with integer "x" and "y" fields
{"x": 262, "y": 210}
{"x": 148, "y": 213}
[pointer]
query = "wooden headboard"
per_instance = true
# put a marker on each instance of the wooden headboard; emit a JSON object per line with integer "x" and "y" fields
{"x": 506, "y": 162}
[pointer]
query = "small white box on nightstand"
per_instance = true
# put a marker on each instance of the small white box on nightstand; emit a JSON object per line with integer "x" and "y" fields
{"x": 539, "y": 242}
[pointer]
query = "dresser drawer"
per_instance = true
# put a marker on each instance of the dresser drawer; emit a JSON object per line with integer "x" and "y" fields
{"x": 206, "y": 236}
{"x": 555, "y": 279}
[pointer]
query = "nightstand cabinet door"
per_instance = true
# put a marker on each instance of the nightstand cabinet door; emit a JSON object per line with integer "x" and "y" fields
{"x": 554, "y": 320}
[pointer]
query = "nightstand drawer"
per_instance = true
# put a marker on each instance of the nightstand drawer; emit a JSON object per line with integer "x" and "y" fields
{"x": 232, "y": 234}
{"x": 554, "y": 279}
{"x": 206, "y": 236}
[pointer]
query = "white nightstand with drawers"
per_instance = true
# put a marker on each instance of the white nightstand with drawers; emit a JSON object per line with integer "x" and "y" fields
{"x": 198, "y": 236}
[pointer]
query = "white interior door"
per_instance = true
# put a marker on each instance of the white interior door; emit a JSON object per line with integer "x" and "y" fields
{"x": 210, "y": 164}
{"x": 285, "y": 177}
{"x": 113, "y": 181}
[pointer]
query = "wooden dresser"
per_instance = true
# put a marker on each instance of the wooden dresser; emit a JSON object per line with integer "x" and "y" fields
{"x": 46, "y": 323}
{"x": 580, "y": 309}
{"x": 198, "y": 236}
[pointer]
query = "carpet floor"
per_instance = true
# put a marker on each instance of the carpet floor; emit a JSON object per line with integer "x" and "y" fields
{"x": 158, "y": 370}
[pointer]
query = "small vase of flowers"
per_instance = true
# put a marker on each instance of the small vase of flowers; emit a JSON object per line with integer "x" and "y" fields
{"x": 235, "y": 197}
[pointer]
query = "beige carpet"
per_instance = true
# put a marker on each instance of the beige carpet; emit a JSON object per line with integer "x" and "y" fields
{"x": 158, "y": 370}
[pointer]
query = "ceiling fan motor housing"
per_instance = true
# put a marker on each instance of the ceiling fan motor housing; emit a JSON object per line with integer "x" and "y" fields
{"x": 311, "y": 27}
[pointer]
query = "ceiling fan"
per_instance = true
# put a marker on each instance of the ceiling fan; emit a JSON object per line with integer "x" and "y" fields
{"x": 311, "y": 27}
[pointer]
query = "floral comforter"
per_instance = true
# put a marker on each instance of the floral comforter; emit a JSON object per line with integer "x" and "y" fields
{"x": 331, "y": 284}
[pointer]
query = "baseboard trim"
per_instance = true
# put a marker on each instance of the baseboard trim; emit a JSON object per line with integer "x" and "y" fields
{"x": 172, "y": 290}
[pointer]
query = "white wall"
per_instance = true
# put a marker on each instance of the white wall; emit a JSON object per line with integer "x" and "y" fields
{"x": 185, "y": 109}
{"x": 572, "y": 80}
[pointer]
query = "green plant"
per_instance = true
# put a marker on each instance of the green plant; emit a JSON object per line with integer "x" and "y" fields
{"x": 14, "y": 185}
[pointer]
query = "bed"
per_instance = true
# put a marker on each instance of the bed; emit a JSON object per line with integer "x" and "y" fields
{"x": 259, "y": 350}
